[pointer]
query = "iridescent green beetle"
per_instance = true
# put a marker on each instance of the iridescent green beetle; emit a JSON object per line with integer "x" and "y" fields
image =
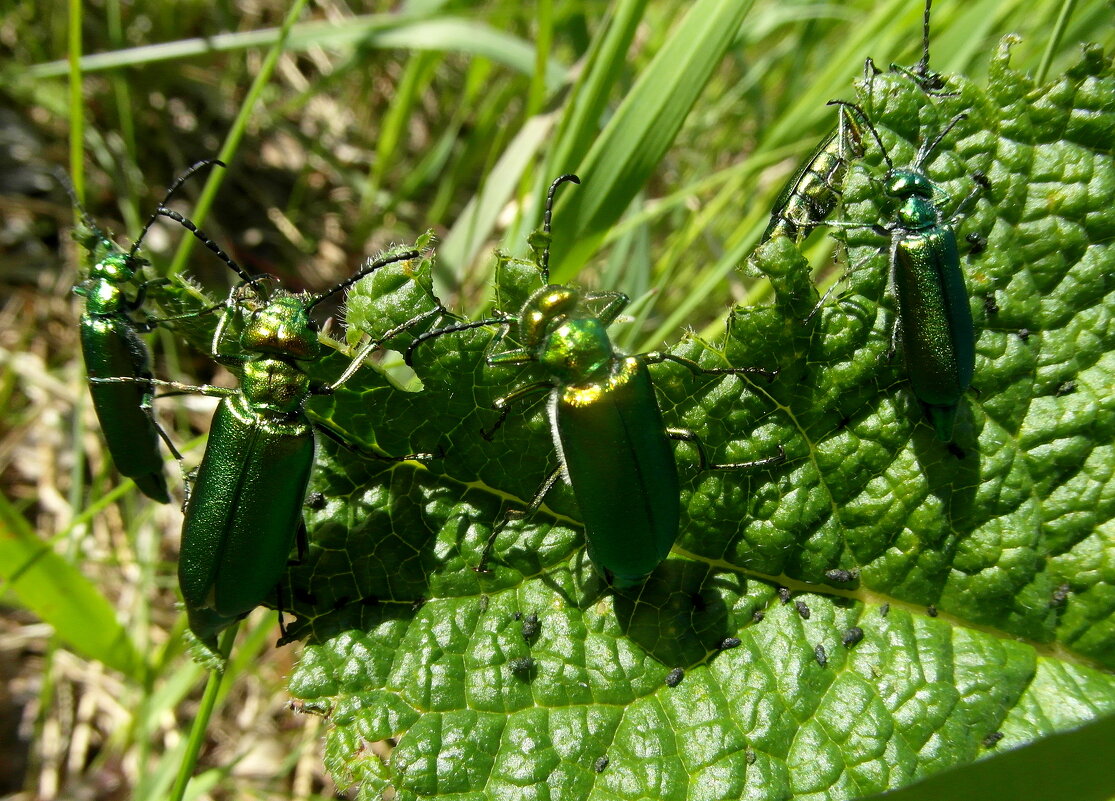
{"x": 111, "y": 347}
{"x": 813, "y": 191}
{"x": 612, "y": 444}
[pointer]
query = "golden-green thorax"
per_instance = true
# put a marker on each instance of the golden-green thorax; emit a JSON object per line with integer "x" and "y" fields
{"x": 572, "y": 344}
{"x": 282, "y": 327}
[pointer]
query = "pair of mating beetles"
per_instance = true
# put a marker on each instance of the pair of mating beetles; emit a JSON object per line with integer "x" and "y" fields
{"x": 244, "y": 508}
{"x": 933, "y": 315}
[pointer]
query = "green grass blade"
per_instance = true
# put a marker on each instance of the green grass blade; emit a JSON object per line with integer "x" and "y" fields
{"x": 235, "y": 134}
{"x": 383, "y": 31}
{"x": 606, "y": 62}
{"x": 415, "y": 80}
{"x": 471, "y": 231}
{"x": 77, "y": 108}
{"x": 201, "y": 721}
{"x": 60, "y": 595}
{"x": 644, "y": 126}
{"x": 1054, "y": 42}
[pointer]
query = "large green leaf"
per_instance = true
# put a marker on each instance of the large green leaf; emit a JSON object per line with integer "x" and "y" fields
{"x": 983, "y": 591}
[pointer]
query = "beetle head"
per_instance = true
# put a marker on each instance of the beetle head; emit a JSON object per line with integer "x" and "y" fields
{"x": 282, "y": 327}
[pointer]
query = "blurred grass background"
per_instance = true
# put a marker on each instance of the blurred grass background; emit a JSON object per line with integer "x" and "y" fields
{"x": 378, "y": 121}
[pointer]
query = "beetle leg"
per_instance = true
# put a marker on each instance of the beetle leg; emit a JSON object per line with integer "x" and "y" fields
{"x": 141, "y": 294}
{"x": 177, "y": 387}
{"x": 503, "y": 404}
{"x": 279, "y": 608}
{"x": 336, "y": 436}
{"x": 982, "y": 185}
{"x": 516, "y": 514}
{"x": 892, "y": 287}
{"x": 686, "y": 435}
{"x": 301, "y": 543}
{"x": 656, "y": 357}
{"x": 824, "y": 299}
{"x": 366, "y": 350}
{"x": 513, "y": 356}
{"x": 153, "y": 321}
{"x": 232, "y": 307}
{"x": 408, "y": 357}
{"x": 188, "y": 478}
{"x": 148, "y": 407}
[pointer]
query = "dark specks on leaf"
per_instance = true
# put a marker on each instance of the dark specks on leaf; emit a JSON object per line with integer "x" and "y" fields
{"x": 852, "y": 636}
{"x": 531, "y": 627}
{"x": 674, "y": 677}
{"x": 840, "y": 576}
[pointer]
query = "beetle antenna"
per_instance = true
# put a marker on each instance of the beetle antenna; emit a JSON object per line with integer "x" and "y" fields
{"x": 63, "y": 178}
{"x": 181, "y": 179}
{"x": 925, "y": 150}
{"x": 186, "y": 223}
{"x": 863, "y": 116}
{"x": 545, "y": 260}
{"x": 418, "y": 340}
{"x": 368, "y": 269}
{"x": 921, "y": 69}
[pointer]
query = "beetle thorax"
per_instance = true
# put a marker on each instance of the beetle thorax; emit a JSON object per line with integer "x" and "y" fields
{"x": 578, "y": 351}
{"x": 103, "y": 297}
{"x": 282, "y": 327}
{"x": 274, "y": 384}
{"x": 915, "y": 192}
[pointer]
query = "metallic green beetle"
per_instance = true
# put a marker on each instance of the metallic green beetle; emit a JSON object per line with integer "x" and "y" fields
{"x": 814, "y": 189}
{"x": 933, "y": 313}
{"x": 245, "y": 507}
{"x": 111, "y": 347}
{"x": 612, "y": 443}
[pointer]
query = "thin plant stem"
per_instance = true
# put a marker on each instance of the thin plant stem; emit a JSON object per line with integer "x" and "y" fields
{"x": 77, "y": 107}
{"x": 1067, "y": 7}
{"x": 201, "y": 721}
